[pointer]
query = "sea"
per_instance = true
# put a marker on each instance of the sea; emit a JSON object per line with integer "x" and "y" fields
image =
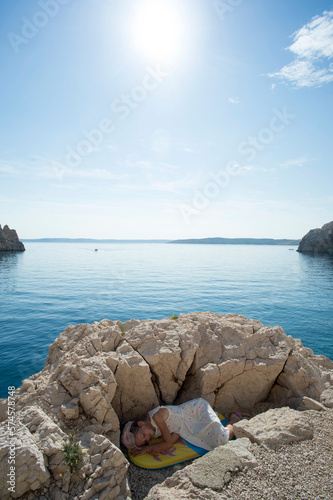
{"x": 53, "y": 285}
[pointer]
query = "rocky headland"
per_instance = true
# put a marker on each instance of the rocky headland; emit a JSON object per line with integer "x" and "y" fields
{"x": 9, "y": 240}
{"x": 98, "y": 376}
{"x": 318, "y": 241}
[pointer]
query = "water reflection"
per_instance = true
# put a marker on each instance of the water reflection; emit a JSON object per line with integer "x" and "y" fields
{"x": 8, "y": 269}
{"x": 321, "y": 263}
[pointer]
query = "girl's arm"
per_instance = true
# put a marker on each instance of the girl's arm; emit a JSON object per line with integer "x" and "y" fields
{"x": 169, "y": 438}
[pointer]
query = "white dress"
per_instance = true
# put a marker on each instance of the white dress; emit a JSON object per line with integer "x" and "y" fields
{"x": 195, "y": 421}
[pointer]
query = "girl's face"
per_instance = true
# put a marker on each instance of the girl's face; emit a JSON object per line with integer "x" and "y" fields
{"x": 144, "y": 434}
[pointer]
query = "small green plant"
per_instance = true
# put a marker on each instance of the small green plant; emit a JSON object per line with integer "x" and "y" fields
{"x": 73, "y": 454}
{"x": 122, "y": 329}
{"x": 174, "y": 316}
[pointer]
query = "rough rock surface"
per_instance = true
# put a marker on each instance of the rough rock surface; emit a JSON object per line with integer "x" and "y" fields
{"x": 98, "y": 376}
{"x": 22, "y": 453}
{"x": 275, "y": 428}
{"x": 326, "y": 397}
{"x": 9, "y": 240}
{"x": 318, "y": 241}
{"x": 208, "y": 474}
{"x": 297, "y": 471}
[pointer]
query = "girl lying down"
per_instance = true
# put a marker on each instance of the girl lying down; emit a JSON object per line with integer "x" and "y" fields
{"x": 195, "y": 421}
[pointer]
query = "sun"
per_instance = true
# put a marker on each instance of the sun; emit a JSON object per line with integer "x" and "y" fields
{"x": 158, "y": 30}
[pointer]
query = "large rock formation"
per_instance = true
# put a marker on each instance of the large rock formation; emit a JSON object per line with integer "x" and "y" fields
{"x": 98, "y": 376}
{"x": 9, "y": 240}
{"x": 318, "y": 241}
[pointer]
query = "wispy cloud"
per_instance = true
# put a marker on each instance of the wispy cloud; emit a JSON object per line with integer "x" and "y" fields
{"x": 234, "y": 100}
{"x": 7, "y": 169}
{"x": 256, "y": 168}
{"x": 296, "y": 162}
{"x": 313, "y": 49}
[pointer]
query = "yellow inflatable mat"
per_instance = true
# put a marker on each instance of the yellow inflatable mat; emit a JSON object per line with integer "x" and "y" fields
{"x": 181, "y": 452}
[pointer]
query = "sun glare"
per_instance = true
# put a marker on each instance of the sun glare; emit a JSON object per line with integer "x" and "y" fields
{"x": 158, "y": 30}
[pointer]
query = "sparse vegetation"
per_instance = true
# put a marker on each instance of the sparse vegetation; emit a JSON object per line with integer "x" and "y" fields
{"x": 73, "y": 454}
{"x": 174, "y": 316}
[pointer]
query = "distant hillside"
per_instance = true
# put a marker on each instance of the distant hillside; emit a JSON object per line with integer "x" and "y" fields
{"x": 237, "y": 241}
{"x": 89, "y": 240}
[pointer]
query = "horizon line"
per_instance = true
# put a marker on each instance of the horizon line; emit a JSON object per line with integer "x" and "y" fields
{"x": 162, "y": 240}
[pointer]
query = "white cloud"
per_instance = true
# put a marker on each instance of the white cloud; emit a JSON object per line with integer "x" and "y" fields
{"x": 234, "y": 100}
{"x": 256, "y": 168}
{"x": 312, "y": 48}
{"x": 297, "y": 162}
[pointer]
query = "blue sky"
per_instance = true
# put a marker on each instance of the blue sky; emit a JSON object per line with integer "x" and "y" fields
{"x": 166, "y": 118}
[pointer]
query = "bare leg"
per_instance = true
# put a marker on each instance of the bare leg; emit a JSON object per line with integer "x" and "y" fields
{"x": 232, "y": 420}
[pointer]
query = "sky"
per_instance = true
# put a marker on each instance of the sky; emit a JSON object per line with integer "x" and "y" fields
{"x": 166, "y": 119}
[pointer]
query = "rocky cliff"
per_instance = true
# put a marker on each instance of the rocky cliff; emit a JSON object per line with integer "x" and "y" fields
{"x": 9, "y": 240}
{"x": 98, "y": 376}
{"x": 318, "y": 241}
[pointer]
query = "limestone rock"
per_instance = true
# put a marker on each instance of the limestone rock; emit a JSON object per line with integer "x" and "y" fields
{"x": 71, "y": 410}
{"x": 214, "y": 470}
{"x": 244, "y": 365}
{"x": 318, "y": 241}
{"x": 3, "y": 409}
{"x": 9, "y": 240}
{"x": 301, "y": 376}
{"x": 98, "y": 376}
{"x": 208, "y": 475}
{"x": 169, "y": 348}
{"x": 326, "y": 397}
{"x": 106, "y": 470}
{"x": 28, "y": 461}
{"x": 46, "y": 433}
{"x": 305, "y": 403}
{"x": 241, "y": 448}
{"x": 135, "y": 394}
{"x": 275, "y": 427}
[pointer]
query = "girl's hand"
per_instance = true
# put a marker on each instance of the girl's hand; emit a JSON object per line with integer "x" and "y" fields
{"x": 152, "y": 449}
{"x": 145, "y": 449}
{"x": 136, "y": 452}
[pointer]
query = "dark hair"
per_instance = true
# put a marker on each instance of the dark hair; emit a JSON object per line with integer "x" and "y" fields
{"x": 135, "y": 426}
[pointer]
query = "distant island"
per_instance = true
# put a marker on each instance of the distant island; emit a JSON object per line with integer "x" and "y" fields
{"x": 199, "y": 241}
{"x": 237, "y": 241}
{"x": 9, "y": 241}
{"x": 89, "y": 240}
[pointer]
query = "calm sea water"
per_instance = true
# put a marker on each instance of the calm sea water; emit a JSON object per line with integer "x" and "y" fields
{"x": 52, "y": 285}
